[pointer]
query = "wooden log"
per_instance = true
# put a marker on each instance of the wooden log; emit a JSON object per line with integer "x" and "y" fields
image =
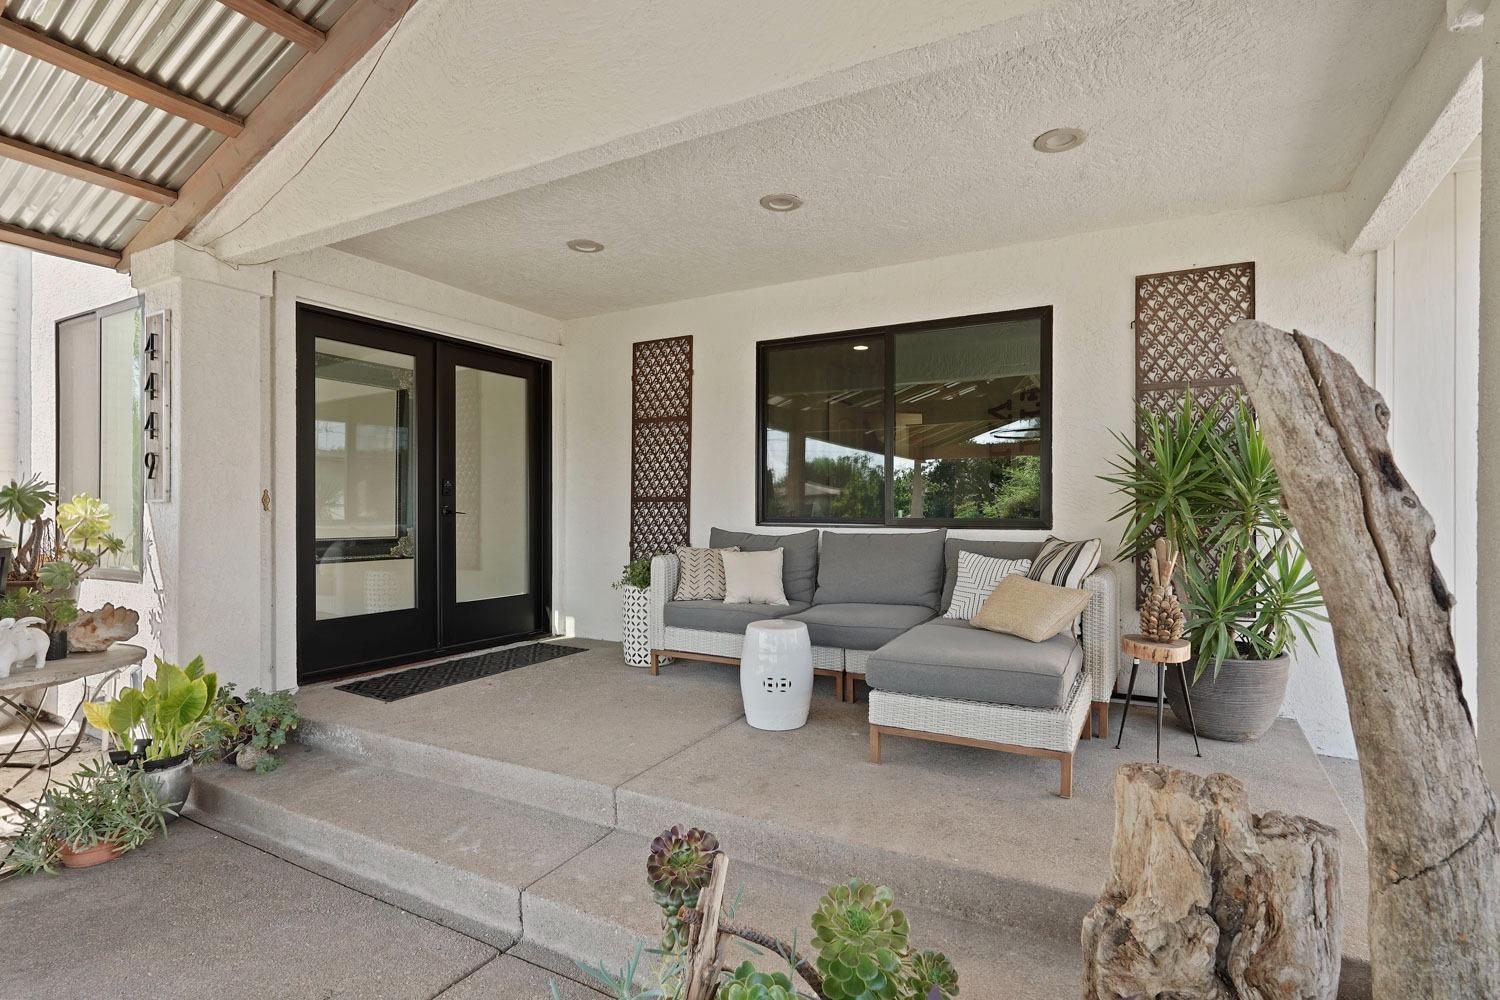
{"x": 1205, "y": 900}
{"x": 702, "y": 961}
{"x": 1429, "y": 812}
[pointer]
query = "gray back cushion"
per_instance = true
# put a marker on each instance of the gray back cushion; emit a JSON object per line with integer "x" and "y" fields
{"x": 897, "y": 568}
{"x": 799, "y": 557}
{"x": 979, "y": 546}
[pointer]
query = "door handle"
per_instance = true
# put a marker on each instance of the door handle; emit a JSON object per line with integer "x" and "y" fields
{"x": 446, "y": 500}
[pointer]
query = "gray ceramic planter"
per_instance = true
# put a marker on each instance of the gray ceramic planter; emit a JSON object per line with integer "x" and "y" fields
{"x": 1238, "y": 705}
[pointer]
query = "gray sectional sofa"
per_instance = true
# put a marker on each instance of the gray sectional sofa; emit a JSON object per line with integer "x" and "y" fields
{"x": 873, "y": 605}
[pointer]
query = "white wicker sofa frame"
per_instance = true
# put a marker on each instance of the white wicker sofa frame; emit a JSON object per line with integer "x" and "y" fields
{"x": 1047, "y": 732}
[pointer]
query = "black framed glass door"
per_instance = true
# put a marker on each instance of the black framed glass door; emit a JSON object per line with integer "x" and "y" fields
{"x": 423, "y": 496}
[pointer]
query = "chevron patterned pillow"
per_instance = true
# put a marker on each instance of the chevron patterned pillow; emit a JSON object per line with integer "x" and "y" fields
{"x": 977, "y": 577}
{"x": 700, "y": 574}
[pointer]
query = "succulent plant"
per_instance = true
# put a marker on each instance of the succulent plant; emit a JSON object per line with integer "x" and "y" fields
{"x": 747, "y": 984}
{"x": 678, "y": 868}
{"x": 928, "y": 969}
{"x": 861, "y": 940}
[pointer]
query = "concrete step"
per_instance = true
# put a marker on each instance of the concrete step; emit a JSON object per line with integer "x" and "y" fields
{"x": 953, "y": 875}
{"x": 554, "y": 890}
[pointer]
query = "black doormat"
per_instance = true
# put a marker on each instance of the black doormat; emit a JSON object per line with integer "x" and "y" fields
{"x": 420, "y": 680}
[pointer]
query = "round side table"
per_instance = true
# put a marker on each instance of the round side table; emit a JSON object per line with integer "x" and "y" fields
{"x": 1163, "y": 654}
{"x": 776, "y": 674}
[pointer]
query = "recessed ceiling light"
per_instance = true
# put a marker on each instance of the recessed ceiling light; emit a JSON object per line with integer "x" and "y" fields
{"x": 585, "y": 246}
{"x": 1059, "y": 140}
{"x": 861, "y": 347}
{"x": 781, "y": 203}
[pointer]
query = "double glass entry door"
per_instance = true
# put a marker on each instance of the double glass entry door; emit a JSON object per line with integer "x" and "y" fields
{"x": 422, "y": 495}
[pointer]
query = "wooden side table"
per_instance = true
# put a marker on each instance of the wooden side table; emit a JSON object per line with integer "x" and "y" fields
{"x": 1178, "y": 651}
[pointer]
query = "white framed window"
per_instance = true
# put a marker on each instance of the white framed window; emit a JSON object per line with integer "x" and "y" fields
{"x": 99, "y": 444}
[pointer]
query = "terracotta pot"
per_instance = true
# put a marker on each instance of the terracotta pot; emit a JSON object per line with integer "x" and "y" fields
{"x": 89, "y": 857}
{"x": 1237, "y": 706}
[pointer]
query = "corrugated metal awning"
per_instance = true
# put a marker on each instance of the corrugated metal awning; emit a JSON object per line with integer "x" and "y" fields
{"x": 219, "y": 54}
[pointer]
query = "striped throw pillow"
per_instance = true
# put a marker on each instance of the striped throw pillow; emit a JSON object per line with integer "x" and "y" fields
{"x": 700, "y": 574}
{"x": 1065, "y": 564}
{"x": 977, "y": 577}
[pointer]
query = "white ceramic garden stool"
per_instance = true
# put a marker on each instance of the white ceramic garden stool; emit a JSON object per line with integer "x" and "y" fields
{"x": 776, "y": 674}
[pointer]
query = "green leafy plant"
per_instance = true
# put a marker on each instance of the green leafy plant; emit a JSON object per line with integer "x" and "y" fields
{"x": 97, "y": 805}
{"x": 744, "y": 983}
{"x": 636, "y": 573}
{"x": 221, "y": 727}
{"x": 266, "y": 720}
{"x": 172, "y": 708}
{"x": 861, "y": 941}
{"x": 1247, "y": 589}
{"x": 56, "y": 610}
{"x": 25, "y": 503}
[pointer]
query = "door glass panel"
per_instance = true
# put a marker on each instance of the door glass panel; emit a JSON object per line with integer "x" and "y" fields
{"x": 365, "y": 479}
{"x": 491, "y": 501}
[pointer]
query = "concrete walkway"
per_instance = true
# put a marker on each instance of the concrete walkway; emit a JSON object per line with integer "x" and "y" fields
{"x": 199, "y": 915}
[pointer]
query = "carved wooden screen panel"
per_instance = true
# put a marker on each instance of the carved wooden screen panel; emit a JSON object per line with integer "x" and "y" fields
{"x": 1180, "y": 318}
{"x": 661, "y": 445}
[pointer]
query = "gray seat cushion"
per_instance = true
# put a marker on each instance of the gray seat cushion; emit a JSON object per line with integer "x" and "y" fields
{"x": 980, "y": 546}
{"x": 860, "y": 626}
{"x": 716, "y": 616}
{"x": 799, "y": 557}
{"x": 949, "y": 658}
{"x": 890, "y": 568}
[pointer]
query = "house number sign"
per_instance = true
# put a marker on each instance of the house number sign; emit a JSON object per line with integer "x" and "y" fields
{"x": 156, "y": 405}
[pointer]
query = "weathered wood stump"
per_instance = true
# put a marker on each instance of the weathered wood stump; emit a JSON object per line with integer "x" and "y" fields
{"x": 1206, "y": 900}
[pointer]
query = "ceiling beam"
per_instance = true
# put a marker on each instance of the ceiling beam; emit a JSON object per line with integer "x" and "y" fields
{"x": 39, "y": 46}
{"x": 284, "y": 23}
{"x": 57, "y": 246}
{"x": 360, "y": 27}
{"x": 25, "y": 152}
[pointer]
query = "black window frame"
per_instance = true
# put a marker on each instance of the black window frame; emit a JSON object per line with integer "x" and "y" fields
{"x": 888, "y": 334}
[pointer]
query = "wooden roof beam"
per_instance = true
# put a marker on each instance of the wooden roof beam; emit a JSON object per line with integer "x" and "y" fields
{"x": 80, "y": 63}
{"x": 37, "y": 156}
{"x": 58, "y": 246}
{"x": 359, "y": 28}
{"x": 286, "y": 24}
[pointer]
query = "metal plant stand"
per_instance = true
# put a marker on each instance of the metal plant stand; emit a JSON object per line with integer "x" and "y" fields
{"x": 96, "y": 670}
{"x": 1163, "y": 654}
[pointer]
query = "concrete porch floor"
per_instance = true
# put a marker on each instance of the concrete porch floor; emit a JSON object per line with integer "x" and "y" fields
{"x": 472, "y": 839}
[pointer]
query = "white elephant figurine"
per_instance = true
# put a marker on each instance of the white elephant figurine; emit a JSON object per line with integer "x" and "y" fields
{"x": 20, "y": 643}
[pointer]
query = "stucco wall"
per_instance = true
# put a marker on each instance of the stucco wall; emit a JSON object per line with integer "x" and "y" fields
{"x": 1303, "y": 280}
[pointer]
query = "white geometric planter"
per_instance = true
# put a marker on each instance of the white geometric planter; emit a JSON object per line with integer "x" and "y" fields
{"x": 635, "y": 625}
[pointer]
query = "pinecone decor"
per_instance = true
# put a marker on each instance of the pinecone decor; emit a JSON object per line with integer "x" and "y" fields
{"x": 1161, "y": 614}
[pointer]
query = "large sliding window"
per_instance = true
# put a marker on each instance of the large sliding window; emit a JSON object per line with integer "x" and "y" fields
{"x": 923, "y": 424}
{"x": 99, "y": 444}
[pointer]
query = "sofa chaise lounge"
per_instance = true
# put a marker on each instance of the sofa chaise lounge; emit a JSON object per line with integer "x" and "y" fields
{"x": 874, "y": 605}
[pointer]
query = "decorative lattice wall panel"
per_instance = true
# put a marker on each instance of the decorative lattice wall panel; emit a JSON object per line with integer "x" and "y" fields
{"x": 1180, "y": 318}
{"x": 661, "y": 445}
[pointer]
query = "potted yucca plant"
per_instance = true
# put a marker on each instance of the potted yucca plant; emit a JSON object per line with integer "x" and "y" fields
{"x": 1203, "y": 479}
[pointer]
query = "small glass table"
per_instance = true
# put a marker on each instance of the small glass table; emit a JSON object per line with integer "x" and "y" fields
{"x": 1163, "y": 654}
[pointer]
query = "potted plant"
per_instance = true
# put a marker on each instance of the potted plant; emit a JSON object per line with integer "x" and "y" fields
{"x": 172, "y": 709}
{"x": 25, "y": 504}
{"x": 99, "y": 814}
{"x": 56, "y": 611}
{"x": 1205, "y": 481}
{"x": 635, "y": 588}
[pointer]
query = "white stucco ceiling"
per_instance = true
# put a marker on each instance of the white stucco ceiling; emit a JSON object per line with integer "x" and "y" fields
{"x": 1191, "y": 107}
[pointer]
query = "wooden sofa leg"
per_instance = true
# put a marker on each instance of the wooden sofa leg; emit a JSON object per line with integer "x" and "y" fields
{"x": 874, "y": 745}
{"x": 655, "y": 663}
{"x": 1101, "y": 711}
{"x": 1088, "y": 727}
{"x": 838, "y": 685}
{"x": 1066, "y": 790}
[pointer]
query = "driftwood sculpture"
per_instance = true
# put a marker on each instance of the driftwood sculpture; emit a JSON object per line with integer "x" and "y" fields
{"x": 1430, "y": 813}
{"x": 1206, "y": 900}
{"x": 1161, "y": 613}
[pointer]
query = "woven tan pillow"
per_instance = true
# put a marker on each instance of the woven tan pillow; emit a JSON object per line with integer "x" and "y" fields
{"x": 1029, "y": 609}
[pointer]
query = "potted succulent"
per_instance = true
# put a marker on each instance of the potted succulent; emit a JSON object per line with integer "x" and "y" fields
{"x": 99, "y": 814}
{"x": 635, "y": 588}
{"x": 1204, "y": 480}
{"x": 25, "y": 504}
{"x": 173, "y": 710}
{"x": 247, "y": 731}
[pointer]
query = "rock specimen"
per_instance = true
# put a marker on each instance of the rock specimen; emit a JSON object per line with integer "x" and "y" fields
{"x": 96, "y": 631}
{"x": 1206, "y": 900}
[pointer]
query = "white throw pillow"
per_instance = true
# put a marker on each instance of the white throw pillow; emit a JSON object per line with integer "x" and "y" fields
{"x": 753, "y": 578}
{"x": 977, "y": 578}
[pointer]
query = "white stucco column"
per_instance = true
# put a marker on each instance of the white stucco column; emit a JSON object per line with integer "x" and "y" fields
{"x": 1488, "y": 687}
{"x": 212, "y": 535}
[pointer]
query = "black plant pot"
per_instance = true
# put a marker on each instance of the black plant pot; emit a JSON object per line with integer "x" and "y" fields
{"x": 57, "y": 646}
